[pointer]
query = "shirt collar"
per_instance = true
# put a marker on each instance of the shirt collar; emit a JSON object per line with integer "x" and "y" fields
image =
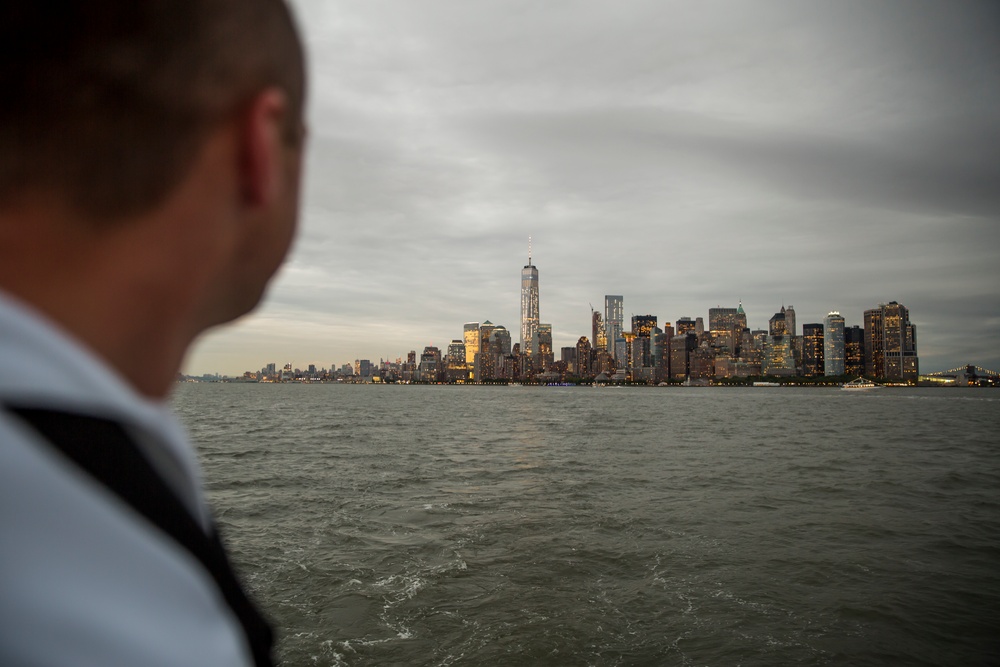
{"x": 44, "y": 366}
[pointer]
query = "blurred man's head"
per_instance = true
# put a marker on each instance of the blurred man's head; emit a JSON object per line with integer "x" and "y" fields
{"x": 105, "y": 102}
{"x": 150, "y": 158}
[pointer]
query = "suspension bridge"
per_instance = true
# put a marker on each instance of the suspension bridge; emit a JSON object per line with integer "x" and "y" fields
{"x": 970, "y": 374}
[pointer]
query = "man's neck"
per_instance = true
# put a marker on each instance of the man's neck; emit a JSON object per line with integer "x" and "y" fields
{"x": 127, "y": 305}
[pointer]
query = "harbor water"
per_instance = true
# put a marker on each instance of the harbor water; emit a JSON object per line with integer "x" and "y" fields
{"x": 444, "y": 525}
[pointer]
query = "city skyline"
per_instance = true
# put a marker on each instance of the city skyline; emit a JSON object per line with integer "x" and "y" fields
{"x": 830, "y": 329}
{"x": 782, "y": 348}
{"x": 828, "y": 157}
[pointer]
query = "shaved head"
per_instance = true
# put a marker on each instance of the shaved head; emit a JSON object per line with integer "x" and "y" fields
{"x": 106, "y": 103}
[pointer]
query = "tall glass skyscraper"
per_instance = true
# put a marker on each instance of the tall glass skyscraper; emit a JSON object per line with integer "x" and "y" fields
{"x": 500, "y": 341}
{"x": 544, "y": 342}
{"x": 833, "y": 344}
{"x": 777, "y": 326}
{"x": 470, "y": 334}
{"x": 598, "y": 334}
{"x": 778, "y": 356}
{"x": 854, "y": 351}
{"x": 726, "y": 325}
{"x": 812, "y": 349}
{"x": 890, "y": 343}
{"x": 790, "y": 319}
{"x": 529, "y": 307}
{"x": 614, "y": 317}
{"x": 643, "y": 325}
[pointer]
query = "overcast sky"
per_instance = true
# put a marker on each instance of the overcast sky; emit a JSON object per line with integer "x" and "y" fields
{"x": 827, "y": 155}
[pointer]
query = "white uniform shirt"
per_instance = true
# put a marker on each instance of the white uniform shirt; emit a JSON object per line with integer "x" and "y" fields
{"x": 84, "y": 580}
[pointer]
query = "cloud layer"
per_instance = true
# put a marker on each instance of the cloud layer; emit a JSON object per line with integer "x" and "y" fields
{"x": 686, "y": 155}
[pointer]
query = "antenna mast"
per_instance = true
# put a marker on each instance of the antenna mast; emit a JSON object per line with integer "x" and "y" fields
{"x": 529, "y": 251}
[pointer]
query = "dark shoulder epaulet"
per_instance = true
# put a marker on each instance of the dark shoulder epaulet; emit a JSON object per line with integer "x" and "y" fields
{"x": 103, "y": 449}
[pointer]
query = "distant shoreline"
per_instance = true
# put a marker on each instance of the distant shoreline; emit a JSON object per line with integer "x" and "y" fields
{"x": 772, "y": 384}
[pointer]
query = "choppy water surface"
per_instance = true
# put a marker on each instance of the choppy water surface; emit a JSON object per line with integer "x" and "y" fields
{"x": 574, "y": 526}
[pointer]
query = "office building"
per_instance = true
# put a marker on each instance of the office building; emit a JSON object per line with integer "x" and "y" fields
{"x": 741, "y": 317}
{"x": 890, "y": 343}
{"x": 684, "y": 325}
{"x": 778, "y": 356}
{"x": 790, "y": 320}
{"x": 754, "y": 353}
{"x": 854, "y": 351}
{"x": 507, "y": 366}
{"x": 654, "y": 350}
{"x": 525, "y": 363}
{"x": 681, "y": 347}
{"x": 777, "y": 326}
{"x": 456, "y": 352}
{"x": 567, "y": 355}
{"x": 748, "y": 352}
{"x": 614, "y": 318}
{"x": 485, "y": 331}
{"x": 470, "y": 334}
{"x": 456, "y": 367}
{"x": 484, "y": 367}
{"x": 727, "y": 367}
{"x": 583, "y": 354}
{"x": 529, "y": 306}
{"x": 661, "y": 353}
{"x": 598, "y": 336}
{"x": 643, "y": 325}
{"x": 702, "y": 363}
{"x": 408, "y": 370}
{"x": 725, "y": 325}
{"x": 544, "y": 346}
{"x": 812, "y": 350}
{"x": 622, "y": 353}
{"x": 833, "y": 344}
{"x": 430, "y": 365}
{"x": 603, "y": 362}
{"x": 639, "y": 356}
{"x": 500, "y": 341}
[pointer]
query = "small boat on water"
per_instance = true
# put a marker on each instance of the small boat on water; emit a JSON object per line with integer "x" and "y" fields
{"x": 859, "y": 384}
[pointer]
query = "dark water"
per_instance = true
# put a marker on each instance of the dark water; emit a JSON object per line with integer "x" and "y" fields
{"x": 386, "y": 525}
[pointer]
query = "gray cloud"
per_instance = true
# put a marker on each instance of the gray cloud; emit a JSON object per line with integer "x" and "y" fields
{"x": 827, "y": 155}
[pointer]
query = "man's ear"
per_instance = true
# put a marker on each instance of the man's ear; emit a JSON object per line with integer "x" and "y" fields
{"x": 261, "y": 147}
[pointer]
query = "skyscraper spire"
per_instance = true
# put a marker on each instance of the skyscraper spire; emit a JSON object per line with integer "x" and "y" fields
{"x": 529, "y": 307}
